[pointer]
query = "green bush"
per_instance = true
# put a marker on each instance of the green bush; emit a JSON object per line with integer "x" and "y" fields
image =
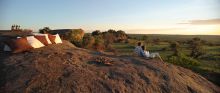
{"x": 197, "y": 48}
{"x": 75, "y": 36}
{"x": 175, "y": 47}
{"x": 183, "y": 60}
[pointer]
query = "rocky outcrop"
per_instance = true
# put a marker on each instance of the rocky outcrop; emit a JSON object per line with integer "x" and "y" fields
{"x": 64, "y": 68}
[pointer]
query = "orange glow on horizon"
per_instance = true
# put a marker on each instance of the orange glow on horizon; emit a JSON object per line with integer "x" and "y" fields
{"x": 184, "y": 30}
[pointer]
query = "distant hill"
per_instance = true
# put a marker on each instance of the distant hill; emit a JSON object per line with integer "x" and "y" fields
{"x": 64, "y": 68}
{"x": 210, "y": 38}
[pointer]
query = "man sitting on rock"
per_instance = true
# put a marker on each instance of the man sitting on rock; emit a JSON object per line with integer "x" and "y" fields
{"x": 138, "y": 49}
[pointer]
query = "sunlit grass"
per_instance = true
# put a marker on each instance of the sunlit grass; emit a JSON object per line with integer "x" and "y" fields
{"x": 209, "y": 62}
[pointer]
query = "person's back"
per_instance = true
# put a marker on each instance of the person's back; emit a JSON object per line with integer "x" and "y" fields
{"x": 138, "y": 49}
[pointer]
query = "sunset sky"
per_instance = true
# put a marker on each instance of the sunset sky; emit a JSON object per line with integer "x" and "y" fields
{"x": 133, "y": 16}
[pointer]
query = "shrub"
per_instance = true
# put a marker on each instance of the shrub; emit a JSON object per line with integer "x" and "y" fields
{"x": 109, "y": 38}
{"x": 88, "y": 41}
{"x": 115, "y": 36}
{"x": 103, "y": 40}
{"x": 183, "y": 61}
{"x": 165, "y": 49}
{"x": 180, "y": 58}
{"x": 175, "y": 47}
{"x": 111, "y": 31}
{"x": 156, "y": 40}
{"x": 197, "y": 49}
{"x": 211, "y": 44}
{"x": 99, "y": 43}
{"x": 75, "y": 36}
{"x": 121, "y": 36}
{"x": 96, "y": 33}
{"x": 44, "y": 30}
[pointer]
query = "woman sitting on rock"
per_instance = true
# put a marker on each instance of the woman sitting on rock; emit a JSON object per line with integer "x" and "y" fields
{"x": 147, "y": 54}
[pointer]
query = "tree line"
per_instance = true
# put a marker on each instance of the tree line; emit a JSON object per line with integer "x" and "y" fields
{"x": 96, "y": 40}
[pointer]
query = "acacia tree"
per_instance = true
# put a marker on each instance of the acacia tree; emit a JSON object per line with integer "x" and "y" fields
{"x": 96, "y": 33}
{"x": 121, "y": 36}
{"x": 175, "y": 47}
{"x": 108, "y": 37}
{"x": 180, "y": 58}
{"x": 111, "y": 31}
{"x": 197, "y": 49}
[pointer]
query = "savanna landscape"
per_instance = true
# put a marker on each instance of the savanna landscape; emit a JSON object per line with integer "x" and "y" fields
{"x": 208, "y": 62}
{"x": 199, "y": 53}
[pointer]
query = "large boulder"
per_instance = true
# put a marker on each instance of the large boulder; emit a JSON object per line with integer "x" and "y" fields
{"x": 64, "y": 68}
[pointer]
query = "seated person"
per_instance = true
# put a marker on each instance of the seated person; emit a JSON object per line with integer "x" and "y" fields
{"x": 148, "y": 54}
{"x": 138, "y": 49}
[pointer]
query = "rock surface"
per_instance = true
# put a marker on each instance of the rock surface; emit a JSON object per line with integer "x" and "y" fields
{"x": 64, "y": 68}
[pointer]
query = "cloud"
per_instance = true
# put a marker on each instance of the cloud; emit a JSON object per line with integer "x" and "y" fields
{"x": 203, "y": 22}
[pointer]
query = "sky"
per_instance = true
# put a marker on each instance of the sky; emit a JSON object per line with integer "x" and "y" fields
{"x": 188, "y": 17}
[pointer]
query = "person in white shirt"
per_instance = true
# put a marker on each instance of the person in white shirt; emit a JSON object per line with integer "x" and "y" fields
{"x": 138, "y": 49}
{"x": 147, "y": 54}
